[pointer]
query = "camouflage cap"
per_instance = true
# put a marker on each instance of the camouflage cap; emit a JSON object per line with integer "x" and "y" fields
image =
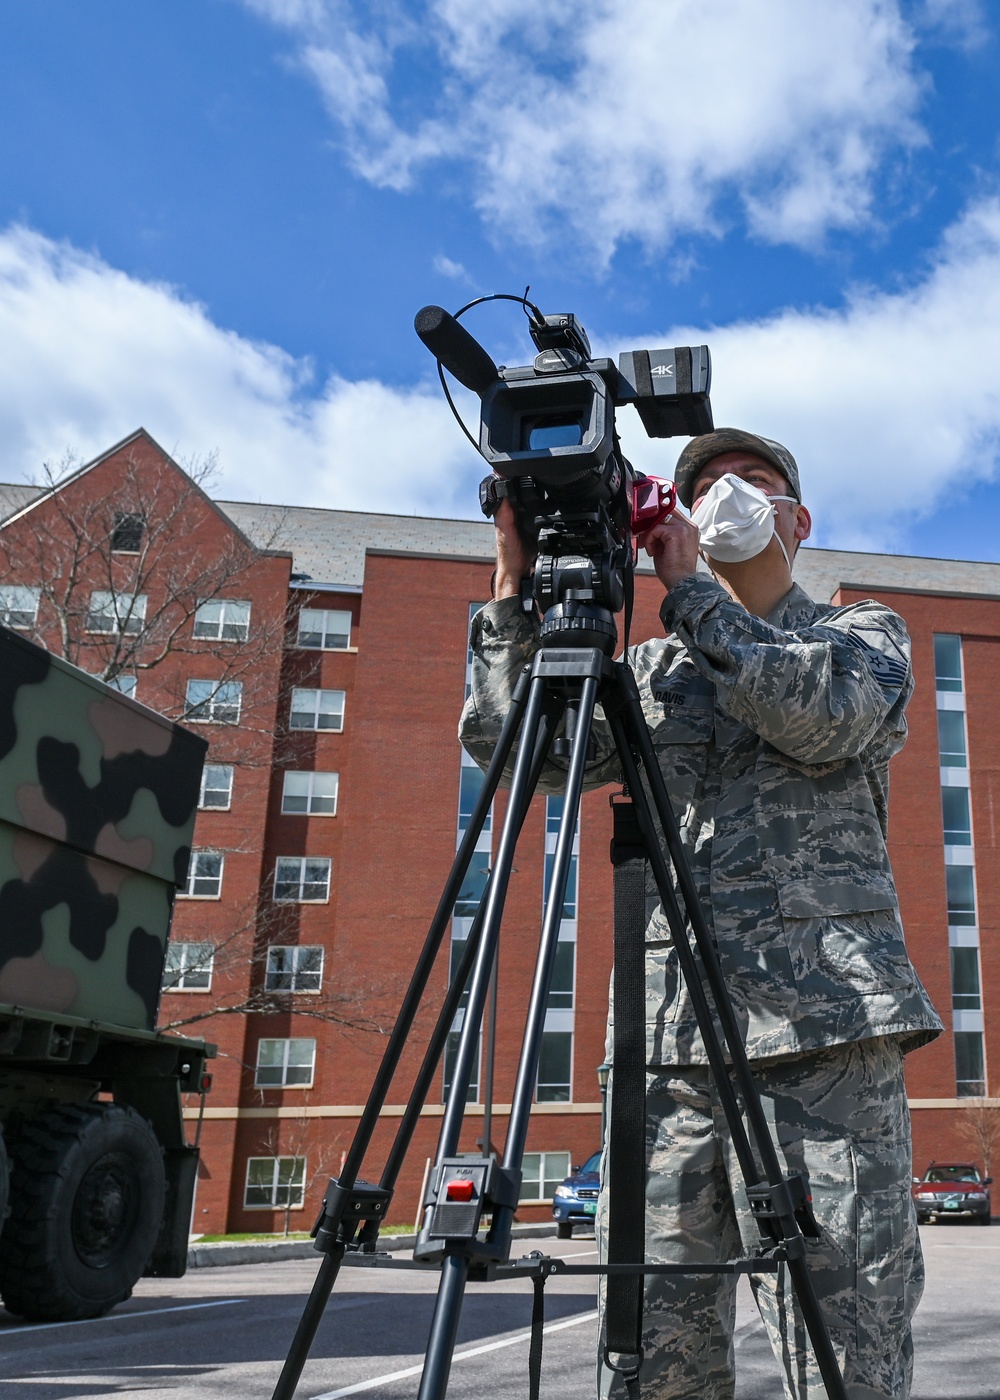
{"x": 701, "y": 450}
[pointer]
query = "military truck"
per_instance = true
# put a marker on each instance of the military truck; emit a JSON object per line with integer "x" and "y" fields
{"x": 97, "y": 805}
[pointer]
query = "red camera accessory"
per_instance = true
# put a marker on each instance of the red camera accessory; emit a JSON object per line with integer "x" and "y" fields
{"x": 653, "y": 499}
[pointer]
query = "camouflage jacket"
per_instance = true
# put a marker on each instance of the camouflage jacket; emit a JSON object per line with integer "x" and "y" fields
{"x": 774, "y": 738}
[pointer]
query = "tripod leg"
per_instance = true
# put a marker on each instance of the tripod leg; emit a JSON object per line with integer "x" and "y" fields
{"x": 632, "y": 729}
{"x": 455, "y": 1265}
{"x": 330, "y": 1266}
{"x": 527, "y": 1070}
{"x": 446, "y": 1019}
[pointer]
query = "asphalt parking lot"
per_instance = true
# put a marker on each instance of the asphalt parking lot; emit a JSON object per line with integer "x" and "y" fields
{"x": 223, "y": 1332}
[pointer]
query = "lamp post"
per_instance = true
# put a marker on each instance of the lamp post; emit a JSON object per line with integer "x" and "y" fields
{"x": 603, "y": 1070}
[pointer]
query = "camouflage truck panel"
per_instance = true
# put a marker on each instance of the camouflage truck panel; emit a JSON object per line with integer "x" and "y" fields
{"x": 98, "y": 797}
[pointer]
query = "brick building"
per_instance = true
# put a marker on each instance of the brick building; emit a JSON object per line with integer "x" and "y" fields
{"x": 325, "y": 655}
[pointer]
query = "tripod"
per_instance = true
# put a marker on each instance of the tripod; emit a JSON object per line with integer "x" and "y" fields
{"x": 562, "y": 686}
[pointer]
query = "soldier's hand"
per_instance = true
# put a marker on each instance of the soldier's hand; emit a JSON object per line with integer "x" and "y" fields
{"x": 673, "y": 547}
{"x": 514, "y": 559}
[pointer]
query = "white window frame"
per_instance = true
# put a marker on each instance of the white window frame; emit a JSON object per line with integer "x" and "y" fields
{"x": 294, "y": 953}
{"x": 296, "y": 1182}
{"x": 221, "y": 628}
{"x": 317, "y": 711}
{"x": 12, "y": 598}
{"x": 545, "y": 1173}
{"x": 323, "y": 629}
{"x": 204, "y": 806}
{"x": 223, "y": 697}
{"x": 285, "y": 1066}
{"x": 300, "y": 880}
{"x": 310, "y": 793}
{"x": 193, "y": 963}
{"x": 189, "y": 891}
{"x": 109, "y": 613}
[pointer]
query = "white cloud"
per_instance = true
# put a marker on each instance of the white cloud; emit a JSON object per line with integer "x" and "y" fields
{"x": 89, "y": 354}
{"x": 626, "y": 119}
{"x": 447, "y": 267}
{"x": 891, "y": 403}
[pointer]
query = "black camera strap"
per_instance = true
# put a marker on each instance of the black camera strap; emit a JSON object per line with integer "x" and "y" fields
{"x": 626, "y": 1156}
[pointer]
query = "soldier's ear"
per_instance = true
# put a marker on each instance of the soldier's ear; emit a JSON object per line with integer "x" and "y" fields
{"x": 803, "y": 524}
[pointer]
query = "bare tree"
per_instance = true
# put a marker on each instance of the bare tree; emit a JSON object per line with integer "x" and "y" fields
{"x": 120, "y": 573}
{"x": 979, "y": 1129}
{"x": 267, "y": 991}
{"x": 299, "y": 1140}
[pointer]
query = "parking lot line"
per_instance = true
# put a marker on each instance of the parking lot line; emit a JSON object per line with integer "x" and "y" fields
{"x": 459, "y": 1356}
{"x": 34, "y": 1327}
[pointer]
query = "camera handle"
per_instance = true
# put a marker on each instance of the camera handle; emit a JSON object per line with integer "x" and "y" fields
{"x": 462, "y": 1191}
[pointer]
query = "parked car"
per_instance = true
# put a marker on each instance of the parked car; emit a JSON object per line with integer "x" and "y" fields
{"x": 952, "y": 1190}
{"x": 575, "y": 1201}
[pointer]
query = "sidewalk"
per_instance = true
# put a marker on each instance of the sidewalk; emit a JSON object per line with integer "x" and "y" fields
{"x": 206, "y": 1256}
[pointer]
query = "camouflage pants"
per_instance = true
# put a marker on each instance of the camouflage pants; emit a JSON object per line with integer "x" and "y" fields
{"x": 838, "y": 1115}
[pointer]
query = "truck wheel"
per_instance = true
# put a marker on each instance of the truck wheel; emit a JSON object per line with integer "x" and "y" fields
{"x": 87, "y": 1192}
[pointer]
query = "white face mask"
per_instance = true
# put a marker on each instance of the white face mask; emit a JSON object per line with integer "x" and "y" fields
{"x": 736, "y": 520}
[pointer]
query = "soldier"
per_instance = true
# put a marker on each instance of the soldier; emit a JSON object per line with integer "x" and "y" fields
{"x": 774, "y": 719}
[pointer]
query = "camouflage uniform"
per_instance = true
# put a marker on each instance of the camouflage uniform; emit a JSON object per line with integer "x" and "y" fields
{"x": 774, "y": 738}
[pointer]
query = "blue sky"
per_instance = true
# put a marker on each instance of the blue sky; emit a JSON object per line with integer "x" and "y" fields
{"x": 218, "y": 218}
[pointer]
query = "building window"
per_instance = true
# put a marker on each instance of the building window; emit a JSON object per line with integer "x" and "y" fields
{"x": 188, "y": 967}
{"x": 961, "y": 887}
{"x": 541, "y": 1173}
{"x": 18, "y": 605}
{"x": 310, "y": 794}
{"x": 450, "y": 1059}
{"x": 470, "y": 785}
{"x": 204, "y": 877}
{"x": 116, "y": 612}
{"x": 302, "y": 879}
{"x": 275, "y": 1183}
{"x": 563, "y": 975}
{"x": 965, "y": 993}
{"x": 214, "y": 702}
{"x": 124, "y": 683}
{"x": 126, "y": 537}
{"x": 216, "y": 785}
{"x": 956, "y": 816}
{"x": 555, "y": 1067}
{"x": 222, "y": 620}
{"x": 473, "y": 886}
{"x": 285, "y": 1064}
{"x": 569, "y": 903}
{"x": 947, "y": 662}
{"x": 294, "y": 969}
{"x": 951, "y": 739}
{"x": 970, "y": 1073}
{"x": 324, "y": 630}
{"x": 317, "y": 709}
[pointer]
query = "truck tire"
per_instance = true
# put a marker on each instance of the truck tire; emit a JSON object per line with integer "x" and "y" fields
{"x": 87, "y": 1192}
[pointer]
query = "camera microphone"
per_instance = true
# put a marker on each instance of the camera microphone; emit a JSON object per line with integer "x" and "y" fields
{"x": 459, "y": 352}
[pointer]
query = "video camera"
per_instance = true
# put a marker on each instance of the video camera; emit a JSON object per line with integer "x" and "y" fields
{"x": 548, "y": 431}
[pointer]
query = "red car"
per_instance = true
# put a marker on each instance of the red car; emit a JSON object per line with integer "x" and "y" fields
{"x": 952, "y": 1190}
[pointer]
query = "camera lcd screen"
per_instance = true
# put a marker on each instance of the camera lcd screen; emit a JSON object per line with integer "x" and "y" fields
{"x": 563, "y": 431}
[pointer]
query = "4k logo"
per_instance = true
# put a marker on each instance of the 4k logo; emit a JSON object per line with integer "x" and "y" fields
{"x": 660, "y": 371}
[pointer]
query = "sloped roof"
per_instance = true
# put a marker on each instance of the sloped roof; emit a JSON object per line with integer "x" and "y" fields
{"x": 330, "y": 546}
